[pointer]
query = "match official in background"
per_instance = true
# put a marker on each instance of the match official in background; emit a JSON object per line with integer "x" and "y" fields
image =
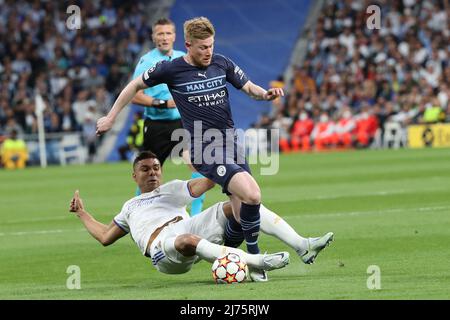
{"x": 13, "y": 152}
{"x": 161, "y": 117}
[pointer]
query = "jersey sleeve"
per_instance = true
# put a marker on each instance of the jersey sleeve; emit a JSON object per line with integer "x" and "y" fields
{"x": 235, "y": 75}
{"x": 157, "y": 74}
{"x": 141, "y": 67}
{"x": 180, "y": 190}
{"x": 121, "y": 220}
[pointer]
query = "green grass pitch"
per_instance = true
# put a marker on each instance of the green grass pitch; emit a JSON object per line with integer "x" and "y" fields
{"x": 388, "y": 208}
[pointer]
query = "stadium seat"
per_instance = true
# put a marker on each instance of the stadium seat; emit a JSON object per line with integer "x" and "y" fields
{"x": 71, "y": 148}
{"x": 394, "y": 135}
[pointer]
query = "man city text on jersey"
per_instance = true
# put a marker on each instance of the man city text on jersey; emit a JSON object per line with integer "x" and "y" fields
{"x": 204, "y": 88}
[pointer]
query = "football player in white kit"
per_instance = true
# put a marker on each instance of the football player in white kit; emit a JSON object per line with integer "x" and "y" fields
{"x": 163, "y": 230}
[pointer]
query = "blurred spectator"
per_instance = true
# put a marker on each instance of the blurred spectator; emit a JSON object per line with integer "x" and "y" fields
{"x": 303, "y": 83}
{"x": 103, "y": 100}
{"x": 12, "y": 125}
{"x": 447, "y": 119}
{"x": 93, "y": 80}
{"x": 68, "y": 67}
{"x": 444, "y": 95}
{"x": 399, "y": 73}
{"x": 114, "y": 78}
{"x": 405, "y": 116}
{"x": 51, "y": 120}
{"x": 323, "y": 133}
{"x": 30, "y": 121}
{"x": 20, "y": 64}
{"x": 78, "y": 74}
{"x": 433, "y": 112}
{"x": 58, "y": 81}
{"x": 301, "y": 132}
{"x": 265, "y": 122}
{"x": 67, "y": 121}
{"x": 283, "y": 124}
{"x": 81, "y": 105}
{"x": 13, "y": 152}
{"x": 345, "y": 128}
{"x": 366, "y": 126}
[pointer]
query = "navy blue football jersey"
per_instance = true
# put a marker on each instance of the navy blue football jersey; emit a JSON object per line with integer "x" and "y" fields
{"x": 200, "y": 93}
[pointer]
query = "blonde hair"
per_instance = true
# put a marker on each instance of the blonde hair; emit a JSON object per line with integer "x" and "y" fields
{"x": 198, "y": 28}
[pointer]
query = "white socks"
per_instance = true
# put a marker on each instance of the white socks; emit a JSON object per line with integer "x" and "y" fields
{"x": 210, "y": 252}
{"x": 271, "y": 224}
{"x": 274, "y": 225}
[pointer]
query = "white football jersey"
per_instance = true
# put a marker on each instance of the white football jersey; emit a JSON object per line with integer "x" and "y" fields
{"x": 143, "y": 214}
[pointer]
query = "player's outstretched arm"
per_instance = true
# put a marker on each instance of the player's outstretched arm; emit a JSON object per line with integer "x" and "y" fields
{"x": 105, "y": 123}
{"x": 256, "y": 92}
{"x": 105, "y": 234}
{"x": 199, "y": 186}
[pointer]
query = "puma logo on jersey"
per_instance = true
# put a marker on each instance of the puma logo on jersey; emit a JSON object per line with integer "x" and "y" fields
{"x": 202, "y": 75}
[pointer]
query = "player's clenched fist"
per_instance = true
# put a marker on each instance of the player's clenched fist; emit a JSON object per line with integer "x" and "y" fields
{"x": 76, "y": 204}
{"x": 103, "y": 125}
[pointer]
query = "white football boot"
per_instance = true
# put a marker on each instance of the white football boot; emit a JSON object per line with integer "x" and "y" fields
{"x": 271, "y": 262}
{"x": 315, "y": 245}
{"x": 257, "y": 275}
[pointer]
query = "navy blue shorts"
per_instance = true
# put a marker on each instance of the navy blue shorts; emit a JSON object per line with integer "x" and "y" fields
{"x": 219, "y": 162}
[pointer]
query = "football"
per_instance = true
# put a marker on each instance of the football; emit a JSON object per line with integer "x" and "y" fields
{"x": 228, "y": 269}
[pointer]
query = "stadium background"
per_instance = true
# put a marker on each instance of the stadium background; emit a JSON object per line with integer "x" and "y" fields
{"x": 387, "y": 206}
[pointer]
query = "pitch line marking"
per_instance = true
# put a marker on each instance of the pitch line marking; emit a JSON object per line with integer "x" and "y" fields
{"x": 38, "y": 232}
{"x": 336, "y": 214}
{"x": 322, "y": 197}
{"x": 357, "y": 213}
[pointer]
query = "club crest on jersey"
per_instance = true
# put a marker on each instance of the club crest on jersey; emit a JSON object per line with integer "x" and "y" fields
{"x": 221, "y": 171}
{"x": 147, "y": 73}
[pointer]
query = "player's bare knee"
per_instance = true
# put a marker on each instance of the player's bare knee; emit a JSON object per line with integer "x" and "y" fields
{"x": 186, "y": 244}
{"x": 253, "y": 197}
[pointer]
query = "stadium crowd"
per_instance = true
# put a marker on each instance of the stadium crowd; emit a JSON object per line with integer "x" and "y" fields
{"x": 352, "y": 82}
{"x": 354, "y": 79}
{"x": 77, "y": 72}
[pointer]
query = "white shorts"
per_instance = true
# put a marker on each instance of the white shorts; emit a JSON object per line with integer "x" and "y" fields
{"x": 209, "y": 224}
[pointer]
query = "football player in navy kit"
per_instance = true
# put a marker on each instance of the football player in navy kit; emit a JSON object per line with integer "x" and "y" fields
{"x": 197, "y": 82}
{"x": 161, "y": 117}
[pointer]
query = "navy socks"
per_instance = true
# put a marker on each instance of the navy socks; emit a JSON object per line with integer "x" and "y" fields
{"x": 250, "y": 222}
{"x": 233, "y": 233}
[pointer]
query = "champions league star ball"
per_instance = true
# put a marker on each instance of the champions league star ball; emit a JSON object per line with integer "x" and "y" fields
{"x": 229, "y": 268}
